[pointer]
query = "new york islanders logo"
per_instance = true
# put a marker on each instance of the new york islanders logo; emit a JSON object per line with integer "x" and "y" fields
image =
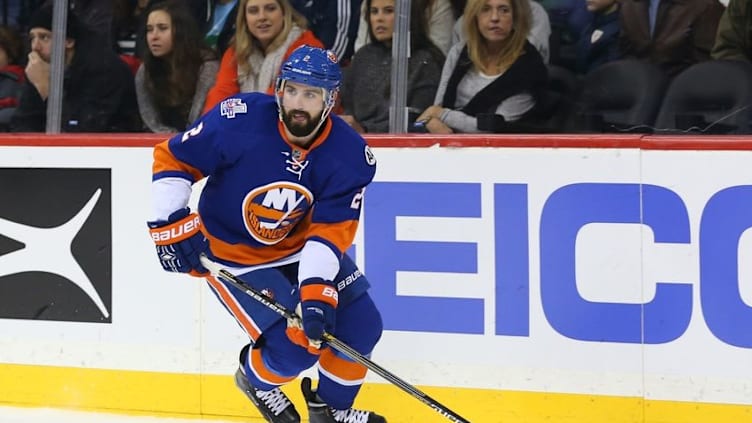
{"x": 271, "y": 212}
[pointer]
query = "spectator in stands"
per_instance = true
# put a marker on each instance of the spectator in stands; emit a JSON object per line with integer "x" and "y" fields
{"x": 267, "y": 31}
{"x": 178, "y": 69}
{"x": 495, "y": 72}
{"x": 540, "y": 30}
{"x": 96, "y": 15}
{"x": 98, "y": 92}
{"x": 11, "y": 74}
{"x": 671, "y": 34}
{"x": 439, "y": 14}
{"x": 334, "y": 22}
{"x": 217, "y": 22}
{"x": 10, "y": 11}
{"x": 599, "y": 41}
{"x": 734, "y": 38}
{"x": 127, "y": 24}
{"x": 367, "y": 87}
{"x": 569, "y": 19}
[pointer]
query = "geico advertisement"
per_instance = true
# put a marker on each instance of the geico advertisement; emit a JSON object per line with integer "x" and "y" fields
{"x": 603, "y": 271}
{"x": 596, "y": 271}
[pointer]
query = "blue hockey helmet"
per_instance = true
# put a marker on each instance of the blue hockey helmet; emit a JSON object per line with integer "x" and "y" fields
{"x": 313, "y": 66}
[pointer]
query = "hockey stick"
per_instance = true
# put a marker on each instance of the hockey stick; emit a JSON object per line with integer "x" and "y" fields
{"x": 335, "y": 343}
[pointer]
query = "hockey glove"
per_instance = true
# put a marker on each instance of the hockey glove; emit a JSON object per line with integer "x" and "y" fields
{"x": 180, "y": 242}
{"x": 318, "y": 309}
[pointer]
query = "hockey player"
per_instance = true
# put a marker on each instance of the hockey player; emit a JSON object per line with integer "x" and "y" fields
{"x": 279, "y": 209}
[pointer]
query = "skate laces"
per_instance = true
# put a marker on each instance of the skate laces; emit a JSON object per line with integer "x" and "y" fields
{"x": 350, "y": 415}
{"x": 275, "y": 400}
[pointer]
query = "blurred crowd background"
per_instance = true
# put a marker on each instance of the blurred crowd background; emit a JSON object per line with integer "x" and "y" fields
{"x": 474, "y": 66}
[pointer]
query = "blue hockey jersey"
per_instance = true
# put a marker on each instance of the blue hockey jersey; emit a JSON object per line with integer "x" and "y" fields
{"x": 265, "y": 197}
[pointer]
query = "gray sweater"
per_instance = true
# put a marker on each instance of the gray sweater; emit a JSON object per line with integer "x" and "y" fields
{"x": 366, "y": 90}
{"x": 148, "y": 110}
{"x": 511, "y": 108}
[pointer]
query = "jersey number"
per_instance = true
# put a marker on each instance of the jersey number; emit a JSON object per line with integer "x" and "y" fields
{"x": 357, "y": 199}
{"x": 192, "y": 132}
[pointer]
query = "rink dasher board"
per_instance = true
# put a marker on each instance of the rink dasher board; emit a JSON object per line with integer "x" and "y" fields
{"x": 462, "y": 206}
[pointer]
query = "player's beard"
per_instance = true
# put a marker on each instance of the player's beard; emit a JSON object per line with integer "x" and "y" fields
{"x": 301, "y": 129}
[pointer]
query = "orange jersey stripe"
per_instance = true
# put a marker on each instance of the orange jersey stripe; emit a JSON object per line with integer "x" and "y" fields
{"x": 262, "y": 372}
{"x": 340, "y": 234}
{"x": 250, "y": 256}
{"x": 247, "y": 255}
{"x": 340, "y": 367}
{"x": 243, "y": 319}
{"x": 165, "y": 161}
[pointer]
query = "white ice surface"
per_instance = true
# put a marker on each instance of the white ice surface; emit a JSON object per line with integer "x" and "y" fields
{"x": 50, "y": 415}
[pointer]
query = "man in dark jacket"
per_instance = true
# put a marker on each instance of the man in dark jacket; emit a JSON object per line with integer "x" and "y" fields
{"x": 734, "y": 38}
{"x": 673, "y": 34}
{"x": 334, "y": 22}
{"x": 98, "y": 89}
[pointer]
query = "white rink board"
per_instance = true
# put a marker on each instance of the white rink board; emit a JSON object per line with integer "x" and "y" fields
{"x": 169, "y": 323}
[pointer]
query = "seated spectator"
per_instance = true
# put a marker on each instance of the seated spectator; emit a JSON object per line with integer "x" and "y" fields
{"x": 599, "y": 42}
{"x": 98, "y": 93}
{"x": 734, "y": 38}
{"x": 495, "y": 72}
{"x": 11, "y": 74}
{"x": 10, "y": 11}
{"x": 127, "y": 23}
{"x": 439, "y": 14}
{"x": 568, "y": 19}
{"x": 215, "y": 20}
{"x": 267, "y": 31}
{"x": 366, "y": 90}
{"x": 95, "y": 15}
{"x": 177, "y": 72}
{"x": 671, "y": 34}
{"x": 218, "y": 23}
{"x": 540, "y": 30}
{"x": 334, "y": 22}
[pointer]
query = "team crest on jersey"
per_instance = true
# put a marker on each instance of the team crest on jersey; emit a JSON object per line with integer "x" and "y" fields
{"x": 231, "y": 107}
{"x": 272, "y": 211}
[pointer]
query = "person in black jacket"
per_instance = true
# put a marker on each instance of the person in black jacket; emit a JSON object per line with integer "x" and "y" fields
{"x": 334, "y": 22}
{"x": 599, "y": 41}
{"x": 493, "y": 80}
{"x": 98, "y": 89}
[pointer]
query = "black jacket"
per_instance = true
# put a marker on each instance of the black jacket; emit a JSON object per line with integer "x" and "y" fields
{"x": 98, "y": 95}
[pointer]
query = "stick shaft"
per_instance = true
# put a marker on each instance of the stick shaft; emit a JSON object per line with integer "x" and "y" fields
{"x": 333, "y": 342}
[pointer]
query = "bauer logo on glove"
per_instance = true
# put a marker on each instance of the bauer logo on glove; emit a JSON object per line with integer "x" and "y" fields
{"x": 177, "y": 231}
{"x": 180, "y": 242}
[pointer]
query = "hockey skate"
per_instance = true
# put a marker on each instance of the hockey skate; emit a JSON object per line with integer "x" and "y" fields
{"x": 274, "y": 405}
{"x": 319, "y": 412}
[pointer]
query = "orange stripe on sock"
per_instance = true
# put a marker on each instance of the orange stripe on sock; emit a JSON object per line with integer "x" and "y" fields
{"x": 264, "y": 373}
{"x": 340, "y": 367}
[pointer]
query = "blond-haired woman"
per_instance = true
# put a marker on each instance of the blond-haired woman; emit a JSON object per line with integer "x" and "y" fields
{"x": 267, "y": 31}
{"x": 495, "y": 71}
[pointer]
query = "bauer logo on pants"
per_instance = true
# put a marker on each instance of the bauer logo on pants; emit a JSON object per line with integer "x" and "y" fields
{"x": 56, "y": 244}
